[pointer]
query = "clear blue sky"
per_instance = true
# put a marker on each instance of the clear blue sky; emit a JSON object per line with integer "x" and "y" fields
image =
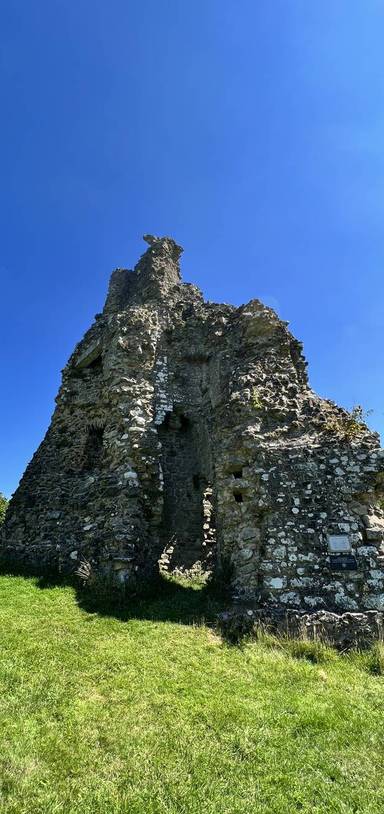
{"x": 250, "y": 130}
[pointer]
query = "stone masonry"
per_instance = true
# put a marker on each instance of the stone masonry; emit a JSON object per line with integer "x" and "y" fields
{"x": 189, "y": 427}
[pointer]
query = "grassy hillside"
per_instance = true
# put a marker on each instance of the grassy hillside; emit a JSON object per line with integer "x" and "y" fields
{"x": 147, "y": 714}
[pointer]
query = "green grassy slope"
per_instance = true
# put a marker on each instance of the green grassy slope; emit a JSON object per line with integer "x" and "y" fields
{"x": 147, "y": 715}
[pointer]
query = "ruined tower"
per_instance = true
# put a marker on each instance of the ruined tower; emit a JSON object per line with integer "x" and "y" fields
{"x": 190, "y": 426}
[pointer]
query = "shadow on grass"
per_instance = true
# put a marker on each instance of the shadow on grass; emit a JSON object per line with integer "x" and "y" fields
{"x": 168, "y": 601}
{"x": 184, "y": 602}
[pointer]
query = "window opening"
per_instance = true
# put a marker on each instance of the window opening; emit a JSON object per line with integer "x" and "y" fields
{"x": 95, "y": 365}
{"x": 238, "y": 472}
{"x": 94, "y": 448}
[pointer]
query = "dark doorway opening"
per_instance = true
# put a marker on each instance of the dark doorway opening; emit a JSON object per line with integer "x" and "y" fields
{"x": 187, "y": 530}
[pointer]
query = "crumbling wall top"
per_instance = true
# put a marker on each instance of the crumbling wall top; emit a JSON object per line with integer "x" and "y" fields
{"x": 154, "y": 275}
{"x": 164, "y": 243}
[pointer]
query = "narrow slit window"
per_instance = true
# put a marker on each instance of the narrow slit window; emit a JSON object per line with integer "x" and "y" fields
{"x": 94, "y": 448}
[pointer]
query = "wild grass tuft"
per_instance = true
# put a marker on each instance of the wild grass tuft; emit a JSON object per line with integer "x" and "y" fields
{"x": 374, "y": 659}
{"x": 315, "y": 652}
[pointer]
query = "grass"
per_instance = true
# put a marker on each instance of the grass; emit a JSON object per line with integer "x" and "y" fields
{"x": 148, "y": 712}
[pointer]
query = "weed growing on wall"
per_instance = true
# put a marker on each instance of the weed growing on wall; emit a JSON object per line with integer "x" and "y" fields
{"x": 349, "y": 426}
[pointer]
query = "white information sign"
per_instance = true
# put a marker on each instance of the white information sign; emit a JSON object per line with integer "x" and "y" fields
{"x": 338, "y": 543}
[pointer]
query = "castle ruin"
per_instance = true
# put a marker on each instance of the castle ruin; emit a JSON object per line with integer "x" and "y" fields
{"x": 188, "y": 427}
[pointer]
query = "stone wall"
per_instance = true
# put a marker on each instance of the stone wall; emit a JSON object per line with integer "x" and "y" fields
{"x": 345, "y": 631}
{"x": 190, "y": 425}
